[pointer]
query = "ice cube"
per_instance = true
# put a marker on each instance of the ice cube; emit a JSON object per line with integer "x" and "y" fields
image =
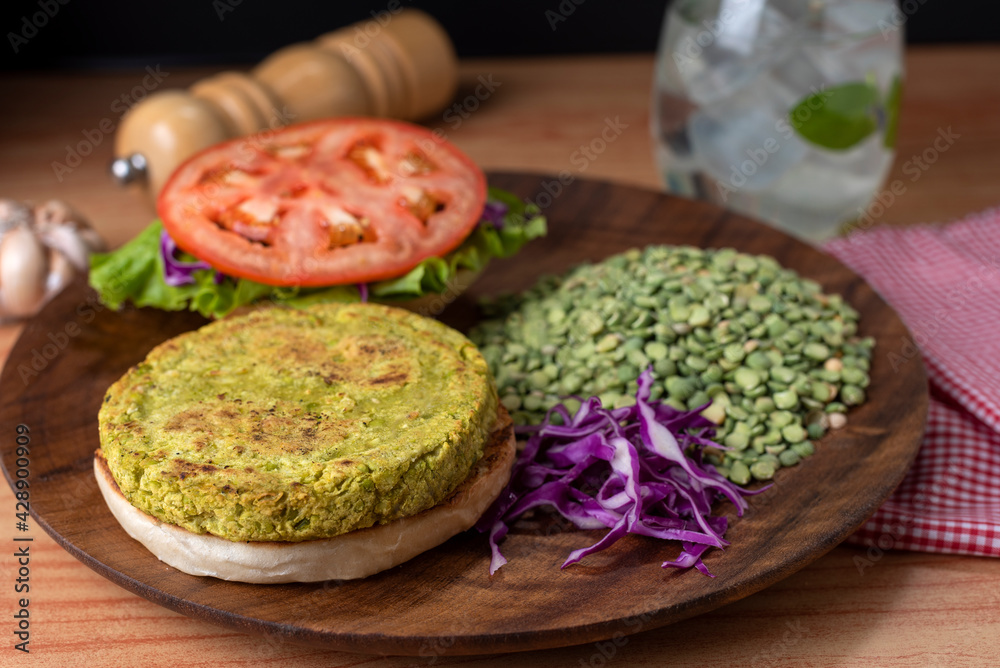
{"x": 716, "y": 58}
{"x": 848, "y": 41}
{"x": 739, "y": 24}
{"x": 732, "y": 138}
{"x": 853, "y": 19}
{"x": 837, "y": 180}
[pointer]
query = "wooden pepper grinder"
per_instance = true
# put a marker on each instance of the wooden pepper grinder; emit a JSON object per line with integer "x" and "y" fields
{"x": 400, "y": 65}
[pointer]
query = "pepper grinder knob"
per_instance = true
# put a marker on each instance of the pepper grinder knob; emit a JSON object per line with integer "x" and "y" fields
{"x": 129, "y": 169}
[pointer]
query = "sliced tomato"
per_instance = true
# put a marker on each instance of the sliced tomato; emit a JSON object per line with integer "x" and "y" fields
{"x": 344, "y": 200}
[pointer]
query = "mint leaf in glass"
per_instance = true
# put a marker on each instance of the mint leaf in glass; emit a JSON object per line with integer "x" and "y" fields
{"x": 838, "y": 117}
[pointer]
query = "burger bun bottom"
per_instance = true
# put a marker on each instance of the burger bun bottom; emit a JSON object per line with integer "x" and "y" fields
{"x": 349, "y": 556}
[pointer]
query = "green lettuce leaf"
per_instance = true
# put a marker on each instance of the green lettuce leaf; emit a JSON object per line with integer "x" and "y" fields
{"x": 134, "y": 272}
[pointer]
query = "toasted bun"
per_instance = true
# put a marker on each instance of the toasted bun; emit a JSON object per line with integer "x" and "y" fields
{"x": 357, "y": 554}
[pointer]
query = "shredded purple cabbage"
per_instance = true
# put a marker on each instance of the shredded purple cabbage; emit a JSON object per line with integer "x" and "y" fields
{"x": 177, "y": 273}
{"x": 363, "y": 290}
{"x": 652, "y": 488}
{"x": 493, "y": 213}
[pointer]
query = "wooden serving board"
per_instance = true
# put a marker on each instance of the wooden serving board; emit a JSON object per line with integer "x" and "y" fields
{"x": 445, "y": 602}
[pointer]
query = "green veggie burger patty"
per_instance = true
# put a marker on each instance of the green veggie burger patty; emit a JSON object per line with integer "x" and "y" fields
{"x": 291, "y": 425}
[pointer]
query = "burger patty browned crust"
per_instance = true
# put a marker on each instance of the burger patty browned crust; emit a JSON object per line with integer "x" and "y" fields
{"x": 291, "y": 425}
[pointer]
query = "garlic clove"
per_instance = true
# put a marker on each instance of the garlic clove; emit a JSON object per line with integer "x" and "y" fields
{"x": 23, "y": 272}
{"x": 57, "y": 212}
{"x": 93, "y": 240}
{"x": 58, "y": 215}
{"x": 13, "y": 214}
{"x": 67, "y": 241}
{"x": 61, "y": 272}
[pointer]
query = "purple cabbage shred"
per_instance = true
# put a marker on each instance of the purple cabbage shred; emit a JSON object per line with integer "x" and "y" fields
{"x": 624, "y": 469}
{"x": 363, "y": 291}
{"x": 176, "y": 272}
{"x": 493, "y": 213}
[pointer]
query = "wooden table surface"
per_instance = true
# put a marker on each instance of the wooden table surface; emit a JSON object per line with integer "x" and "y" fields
{"x": 908, "y": 609}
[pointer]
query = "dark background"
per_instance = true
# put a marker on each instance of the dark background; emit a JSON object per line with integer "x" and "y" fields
{"x": 133, "y": 33}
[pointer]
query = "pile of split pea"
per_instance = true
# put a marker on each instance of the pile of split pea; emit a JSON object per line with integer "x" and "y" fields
{"x": 773, "y": 360}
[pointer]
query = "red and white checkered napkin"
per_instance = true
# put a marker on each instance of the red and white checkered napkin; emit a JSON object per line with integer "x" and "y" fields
{"x": 944, "y": 281}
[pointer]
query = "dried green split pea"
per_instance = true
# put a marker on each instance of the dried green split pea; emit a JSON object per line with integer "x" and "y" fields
{"x": 776, "y": 361}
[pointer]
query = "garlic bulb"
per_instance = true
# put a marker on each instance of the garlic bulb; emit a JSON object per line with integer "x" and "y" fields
{"x": 41, "y": 251}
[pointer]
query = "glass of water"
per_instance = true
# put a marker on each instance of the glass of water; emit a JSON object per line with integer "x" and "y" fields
{"x": 784, "y": 110}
